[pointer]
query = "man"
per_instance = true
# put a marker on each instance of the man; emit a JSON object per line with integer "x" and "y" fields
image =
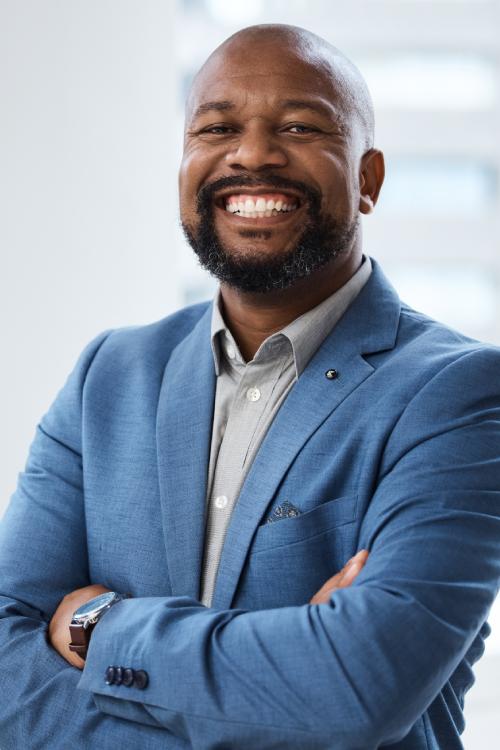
{"x": 220, "y": 466}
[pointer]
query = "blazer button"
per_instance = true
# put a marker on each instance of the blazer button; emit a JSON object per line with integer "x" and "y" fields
{"x": 128, "y": 677}
{"x": 141, "y": 679}
{"x": 118, "y": 676}
{"x": 110, "y": 676}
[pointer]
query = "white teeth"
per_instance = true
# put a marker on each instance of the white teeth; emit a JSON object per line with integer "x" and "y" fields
{"x": 260, "y": 208}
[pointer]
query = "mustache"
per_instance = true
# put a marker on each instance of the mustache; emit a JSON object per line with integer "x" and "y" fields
{"x": 207, "y": 192}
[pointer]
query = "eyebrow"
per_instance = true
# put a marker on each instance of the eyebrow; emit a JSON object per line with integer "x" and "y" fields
{"x": 217, "y": 106}
{"x": 226, "y": 105}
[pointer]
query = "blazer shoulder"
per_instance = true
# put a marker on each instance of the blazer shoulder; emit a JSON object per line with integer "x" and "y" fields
{"x": 437, "y": 358}
{"x": 427, "y": 352}
{"x": 151, "y": 343}
{"x": 431, "y": 338}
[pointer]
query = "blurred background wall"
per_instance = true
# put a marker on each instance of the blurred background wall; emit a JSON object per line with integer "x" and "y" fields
{"x": 91, "y": 106}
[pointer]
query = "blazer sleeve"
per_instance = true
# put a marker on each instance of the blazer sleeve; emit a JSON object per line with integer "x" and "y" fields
{"x": 43, "y": 556}
{"x": 357, "y": 672}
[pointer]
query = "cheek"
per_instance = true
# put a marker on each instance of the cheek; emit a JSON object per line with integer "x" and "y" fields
{"x": 188, "y": 181}
{"x": 340, "y": 190}
{"x": 196, "y": 167}
{"x": 330, "y": 174}
{"x": 187, "y": 177}
{"x": 194, "y": 172}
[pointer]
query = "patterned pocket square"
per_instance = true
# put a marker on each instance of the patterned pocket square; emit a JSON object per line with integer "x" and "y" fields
{"x": 285, "y": 510}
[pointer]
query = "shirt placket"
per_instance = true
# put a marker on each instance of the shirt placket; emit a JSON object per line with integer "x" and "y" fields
{"x": 245, "y": 415}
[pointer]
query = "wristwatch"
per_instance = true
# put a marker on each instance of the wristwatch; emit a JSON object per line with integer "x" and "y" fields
{"x": 87, "y": 616}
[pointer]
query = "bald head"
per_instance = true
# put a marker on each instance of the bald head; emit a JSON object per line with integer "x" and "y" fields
{"x": 348, "y": 87}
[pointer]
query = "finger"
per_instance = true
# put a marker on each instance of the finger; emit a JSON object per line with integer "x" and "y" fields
{"x": 339, "y": 580}
{"x": 324, "y": 592}
{"x": 323, "y": 596}
{"x": 350, "y": 575}
{"x": 359, "y": 558}
{"x": 353, "y": 568}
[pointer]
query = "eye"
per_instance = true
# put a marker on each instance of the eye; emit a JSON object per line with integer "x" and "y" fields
{"x": 299, "y": 129}
{"x": 217, "y": 130}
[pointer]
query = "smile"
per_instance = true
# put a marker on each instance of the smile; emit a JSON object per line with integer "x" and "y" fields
{"x": 259, "y": 205}
{"x": 253, "y": 207}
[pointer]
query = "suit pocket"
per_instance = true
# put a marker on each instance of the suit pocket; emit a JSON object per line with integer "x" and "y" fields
{"x": 319, "y": 520}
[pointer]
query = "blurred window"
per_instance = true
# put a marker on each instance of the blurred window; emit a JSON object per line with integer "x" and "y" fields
{"x": 438, "y": 186}
{"x": 463, "y": 296}
{"x": 427, "y": 81}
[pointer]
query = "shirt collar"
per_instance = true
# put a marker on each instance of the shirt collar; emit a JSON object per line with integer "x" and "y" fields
{"x": 306, "y": 333}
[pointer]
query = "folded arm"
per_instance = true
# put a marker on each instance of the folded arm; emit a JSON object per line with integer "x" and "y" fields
{"x": 358, "y": 672}
{"x": 43, "y": 556}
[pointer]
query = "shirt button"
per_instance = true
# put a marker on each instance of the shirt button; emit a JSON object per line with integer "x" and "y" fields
{"x": 253, "y": 394}
{"x": 221, "y": 501}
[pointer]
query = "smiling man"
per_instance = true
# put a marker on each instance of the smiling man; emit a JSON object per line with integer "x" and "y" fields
{"x": 272, "y": 521}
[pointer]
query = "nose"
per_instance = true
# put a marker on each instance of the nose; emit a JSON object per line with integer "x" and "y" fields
{"x": 257, "y": 149}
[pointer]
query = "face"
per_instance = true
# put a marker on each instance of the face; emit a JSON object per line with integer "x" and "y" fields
{"x": 269, "y": 181}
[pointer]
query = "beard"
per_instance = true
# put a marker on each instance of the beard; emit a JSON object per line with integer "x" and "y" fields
{"x": 322, "y": 240}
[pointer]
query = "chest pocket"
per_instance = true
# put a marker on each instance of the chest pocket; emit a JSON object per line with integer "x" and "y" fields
{"x": 319, "y": 520}
{"x": 291, "y": 558}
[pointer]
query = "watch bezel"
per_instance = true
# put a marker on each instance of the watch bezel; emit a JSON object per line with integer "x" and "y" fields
{"x": 91, "y": 616}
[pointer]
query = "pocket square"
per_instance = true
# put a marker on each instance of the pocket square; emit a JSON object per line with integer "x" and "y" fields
{"x": 285, "y": 510}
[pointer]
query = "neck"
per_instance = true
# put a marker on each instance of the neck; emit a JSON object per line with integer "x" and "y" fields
{"x": 252, "y": 316}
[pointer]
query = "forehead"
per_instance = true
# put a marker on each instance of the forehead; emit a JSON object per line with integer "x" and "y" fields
{"x": 262, "y": 73}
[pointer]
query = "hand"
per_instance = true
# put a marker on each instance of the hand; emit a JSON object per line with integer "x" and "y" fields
{"x": 341, "y": 580}
{"x": 59, "y": 635}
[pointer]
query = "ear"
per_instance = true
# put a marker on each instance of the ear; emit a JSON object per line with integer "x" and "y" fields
{"x": 371, "y": 177}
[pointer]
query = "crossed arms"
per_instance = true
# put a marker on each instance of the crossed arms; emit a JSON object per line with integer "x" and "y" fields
{"x": 59, "y": 625}
{"x": 355, "y": 672}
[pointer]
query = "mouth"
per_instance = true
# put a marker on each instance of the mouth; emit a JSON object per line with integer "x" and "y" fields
{"x": 259, "y": 204}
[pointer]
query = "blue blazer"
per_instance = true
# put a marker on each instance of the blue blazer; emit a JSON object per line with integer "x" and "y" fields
{"x": 400, "y": 454}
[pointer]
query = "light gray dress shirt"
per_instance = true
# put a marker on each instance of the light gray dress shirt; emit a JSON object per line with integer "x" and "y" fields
{"x": 247, "y": 398}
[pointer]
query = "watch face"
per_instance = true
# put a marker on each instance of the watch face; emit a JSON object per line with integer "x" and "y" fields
{"x": 94, "y": 606}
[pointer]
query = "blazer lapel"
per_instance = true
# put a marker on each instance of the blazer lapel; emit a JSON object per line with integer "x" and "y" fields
{"x": 184, "y": 429}
{"x": 370, "y": 325}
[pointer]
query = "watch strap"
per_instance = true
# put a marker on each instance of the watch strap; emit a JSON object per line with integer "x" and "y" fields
{"x": 80, "y": 638}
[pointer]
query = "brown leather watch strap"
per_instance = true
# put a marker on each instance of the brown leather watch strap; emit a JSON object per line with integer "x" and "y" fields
{"x": 80, "y": 638}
